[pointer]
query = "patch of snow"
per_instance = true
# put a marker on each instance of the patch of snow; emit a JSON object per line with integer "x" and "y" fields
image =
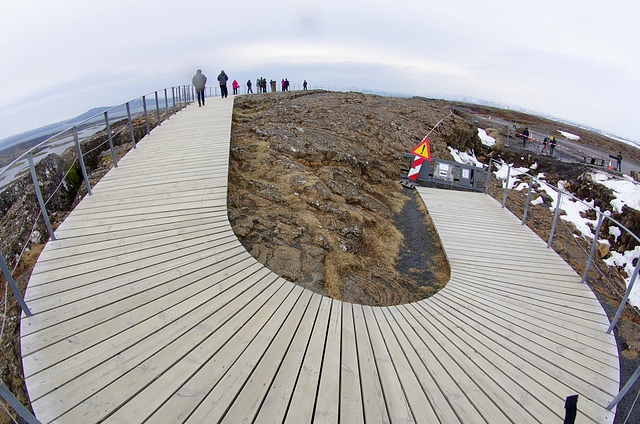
{"x": 625, "y": 260}
{"x": 538, "y": 201}
{"x": 615, "y": 231}
{"x": 487, "y": 140}
{"x": 569, "y": 135}
{"x": 501, "y": 174}
{"x": 625, "y": 190}
{"x": 466, "y": 158}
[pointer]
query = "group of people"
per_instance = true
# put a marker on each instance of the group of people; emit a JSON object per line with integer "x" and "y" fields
{"x": 199, "y": 81}
{"x": 551, "y": 142}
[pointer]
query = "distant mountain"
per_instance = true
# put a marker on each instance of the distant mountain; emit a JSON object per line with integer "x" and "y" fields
{"x": 50, "y": 129}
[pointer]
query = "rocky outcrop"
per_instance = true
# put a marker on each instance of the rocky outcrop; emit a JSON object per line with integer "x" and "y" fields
{"x": 314, "y": 187}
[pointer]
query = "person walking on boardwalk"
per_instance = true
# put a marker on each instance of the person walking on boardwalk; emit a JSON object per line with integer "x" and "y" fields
{"x": 222, "y": 80}
{"x": 235, "y": 86}
{"x": 198, "y": 81}
{"x": 249, "y": 90}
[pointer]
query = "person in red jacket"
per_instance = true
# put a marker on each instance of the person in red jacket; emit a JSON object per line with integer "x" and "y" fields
{"x": 235, "y": 87}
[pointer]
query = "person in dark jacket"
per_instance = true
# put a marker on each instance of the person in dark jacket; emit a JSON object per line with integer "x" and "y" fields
{"x": 525, "y": 136}
{"x": 249, "y": 90}
{"x": 222, "y": 80}
{"x": 198, "y": 81}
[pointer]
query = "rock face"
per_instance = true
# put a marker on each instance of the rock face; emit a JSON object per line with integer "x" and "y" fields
{"x": 313, "y": 188}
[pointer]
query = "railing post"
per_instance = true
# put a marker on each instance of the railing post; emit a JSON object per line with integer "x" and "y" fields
{"x": 555, "y": 219}
{"x": 157, "y": 109}
{"x": 14, "y": 287}
{"x": 506, "y": 186}
{"x": 526, "y": 208}
{"x": 624, "y": 390}
{"x": 486, "y": 189}
{"x": 43, "y": 207}
{"x": 113, "y": 152}
{"x": 84, "y": 171}
{"x": 593, "y": 247}
{"x": 166, "y": 105}
{"x": 146, "y": 115}
{"x": 624, "y": 299}
{"x": 173, "y": 99}
{"x": 17, "y": 406}
{"x": 133, "y": 137}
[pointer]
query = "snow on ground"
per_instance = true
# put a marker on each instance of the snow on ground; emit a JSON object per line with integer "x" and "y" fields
{"x": 626, "y": 190}
{"x": 514, "y": 181}
{"x": 569, "y": 135}
{"x": 466, "y": 158}
{"x": 487, "y": 140}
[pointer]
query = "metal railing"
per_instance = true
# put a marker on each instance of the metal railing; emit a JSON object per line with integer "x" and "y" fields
{"x": 601, "y": 217}
{"x": 155, "y": 107}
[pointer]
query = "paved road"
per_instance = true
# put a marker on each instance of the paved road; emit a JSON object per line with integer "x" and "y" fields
{"x": 570, "y": 150}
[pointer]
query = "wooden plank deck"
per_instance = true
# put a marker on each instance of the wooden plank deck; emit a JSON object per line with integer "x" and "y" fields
{"x": 148, "y": 309}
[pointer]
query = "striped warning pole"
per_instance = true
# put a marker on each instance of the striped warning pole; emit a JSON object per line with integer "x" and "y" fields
{"x": 415, "y": 168}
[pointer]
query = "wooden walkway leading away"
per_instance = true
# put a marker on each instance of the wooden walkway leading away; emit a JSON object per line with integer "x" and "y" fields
{"x": 148, "y": 309}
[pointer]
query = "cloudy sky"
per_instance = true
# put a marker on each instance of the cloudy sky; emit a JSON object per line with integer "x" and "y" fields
{"x": 576, "y": 60}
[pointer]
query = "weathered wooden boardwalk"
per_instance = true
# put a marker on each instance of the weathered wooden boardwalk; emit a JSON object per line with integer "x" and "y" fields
{"x": 148, "y": 309}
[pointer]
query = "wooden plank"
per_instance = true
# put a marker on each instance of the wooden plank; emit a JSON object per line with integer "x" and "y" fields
{"x": 394, "y": 396}
{"x": 373, "y": 398}
{"x": 448, "y": 397}
{"x": 282, "y": 357}
{"x": 177, "y": 394}
{"x": 350, "y": 386}
{"x": 417, "y": 400}
{"x": 128, "y": 328}
{"x": 306, "y": 389}
{"x": 222, "y": 396}
{"x": 138, "y": 366}
{"x": 280, "y": 393}
{"x": 328, "y": 400}
{"x": 580, "y": 332}
{"x": 546, "y": 387}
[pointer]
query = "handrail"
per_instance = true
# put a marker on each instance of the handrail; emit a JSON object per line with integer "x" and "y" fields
{"x": 601, "y": 216}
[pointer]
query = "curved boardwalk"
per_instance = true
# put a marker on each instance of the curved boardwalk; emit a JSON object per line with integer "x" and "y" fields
{"x": 148, "y": 309}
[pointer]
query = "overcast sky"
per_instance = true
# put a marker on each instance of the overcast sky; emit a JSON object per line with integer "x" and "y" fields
{"x": 576, "y": 60}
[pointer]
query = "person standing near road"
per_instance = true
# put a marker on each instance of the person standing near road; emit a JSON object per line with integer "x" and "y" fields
{"x": 525, "y": 136}
{"x": 222, "y": 80}
{"x": 198, "y": 81}
{"x": 552, "y": 145}
{"x": 618, "y": 161}
{"x": 619, "y": 158}
{"x": 544, "y": 144}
